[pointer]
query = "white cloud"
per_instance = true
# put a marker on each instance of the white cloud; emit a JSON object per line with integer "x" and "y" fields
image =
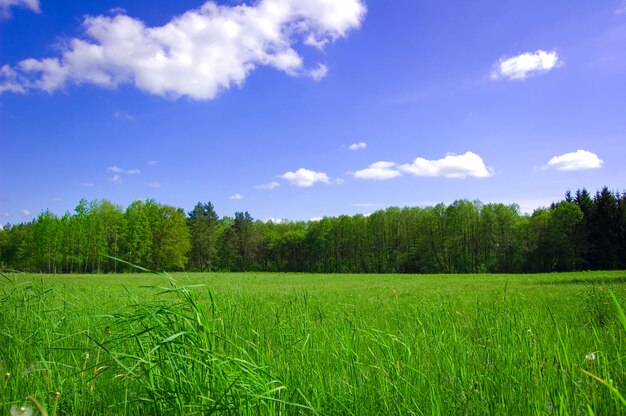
{"x": 379, "y": 171}
{"x": 340, "y": 181}
{"x": 525, "y": 65}
{"x": 5, "y": 214}
{"x": 123, "y": 115}
{"x": 26, "y": 213}
{"x": 5, "y": 6}
{"x": 197, "y": 54}
{"x": 154, "y": 184}
{"x": 116, "y": 178}
{"x": 268, "y": 186}
{"x": 316, "y": 219}
{"x": 318, "y": 73}
{"x": 305, "y": 178}
{"x": 357, "y": 146}
{"x": 114, "y": 169}
{"x": 578, "y": 160}
{"x": 10, "y": 80}
{"x": 151, "y": 163}
{"x": 119, "y": 171}
{"x": 88, "y": 184}
{"x": 451, "y": 166}
{"x": 236, "y": 197}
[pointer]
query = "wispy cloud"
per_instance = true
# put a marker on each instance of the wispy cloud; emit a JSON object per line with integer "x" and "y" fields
{"x": 114, "y": 169}
{"x": 5, "y": 6}
{"x": 26, "y": 213}
{"x": 578, "y": 160}
{"x": 268, "y": 186}
{"x": 154, "y": 184}
{"x": 357, "y": 146}
{"x": 451, "y": 166}
{"x": 526, "y": 64}
{"x": 378, "y": 171}
{"x": 88, "y": 184}
{"x": 123, "y": 115}
{"x": 319, "y": 72}
{"x": 197, "y": 54}
{"x": 236, "y": 197}
{"x": 305, "y": 178}
{"x": 151, "y": 163}
{"x": 118, "y": 172}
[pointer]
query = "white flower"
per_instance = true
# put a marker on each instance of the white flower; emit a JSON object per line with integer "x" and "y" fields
{"x": 21, "y": 411}
{"x": 591, "y": 356}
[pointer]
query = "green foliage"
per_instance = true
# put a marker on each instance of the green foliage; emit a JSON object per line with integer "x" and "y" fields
{"x": 267, "y": 344}
{"x": 577, "y": 233}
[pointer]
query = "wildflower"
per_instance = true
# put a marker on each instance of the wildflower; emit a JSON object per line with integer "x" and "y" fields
{"x": 21, "y": 411}
{"x": 591, "y": 356}
{"x": 7, "y": 376}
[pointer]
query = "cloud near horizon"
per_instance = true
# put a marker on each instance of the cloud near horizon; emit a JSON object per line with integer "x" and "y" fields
{"x": 451, "y": 166}
{"x": 378, "y": 171}
{"x": 305, "y": 178}
{"x": 578, "y": 160}
{"x": 197, "y": 54}
{"x": 526, "y": 64}
{"x": 268, "y": 186}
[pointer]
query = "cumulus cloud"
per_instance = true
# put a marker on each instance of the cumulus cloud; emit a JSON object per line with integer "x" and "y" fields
{"x": 451, "y": 166}
{"x": 305, "y": 178}
{"x": 268, "y": 186}
{"x": 236, "y": 197}
{"x": 378, "y": 171}
{"x": 526, "y": 64}
{"x": 198, "y": 54}
{"x": 26, "y": 213}
{"x": 5, "y": 6}
{"x": 357, "y": 146}
{"x": 578, "y": 160}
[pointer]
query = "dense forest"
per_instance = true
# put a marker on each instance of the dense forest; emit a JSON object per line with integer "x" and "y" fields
{"x": 581, "y": 232}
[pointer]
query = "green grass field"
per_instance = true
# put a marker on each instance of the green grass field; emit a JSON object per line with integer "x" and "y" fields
{"x": 314, "y": 344}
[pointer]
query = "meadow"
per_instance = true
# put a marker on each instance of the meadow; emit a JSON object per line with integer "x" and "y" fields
{"x": 269, "y": 344}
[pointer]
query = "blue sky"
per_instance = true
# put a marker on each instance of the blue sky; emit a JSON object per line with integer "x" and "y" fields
{"x": 300, "y": 109}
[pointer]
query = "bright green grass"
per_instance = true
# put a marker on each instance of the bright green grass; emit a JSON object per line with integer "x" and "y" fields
{"x": 314, "y": 344}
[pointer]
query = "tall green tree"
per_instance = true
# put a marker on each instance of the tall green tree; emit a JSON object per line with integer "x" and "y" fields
{"x": 203, "y": 225}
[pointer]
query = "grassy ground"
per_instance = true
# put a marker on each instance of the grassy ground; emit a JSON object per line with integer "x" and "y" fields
{"x": 314, "y": 344}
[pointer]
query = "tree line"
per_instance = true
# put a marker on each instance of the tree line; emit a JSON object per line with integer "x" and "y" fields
{"x": 580, "y": 232}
